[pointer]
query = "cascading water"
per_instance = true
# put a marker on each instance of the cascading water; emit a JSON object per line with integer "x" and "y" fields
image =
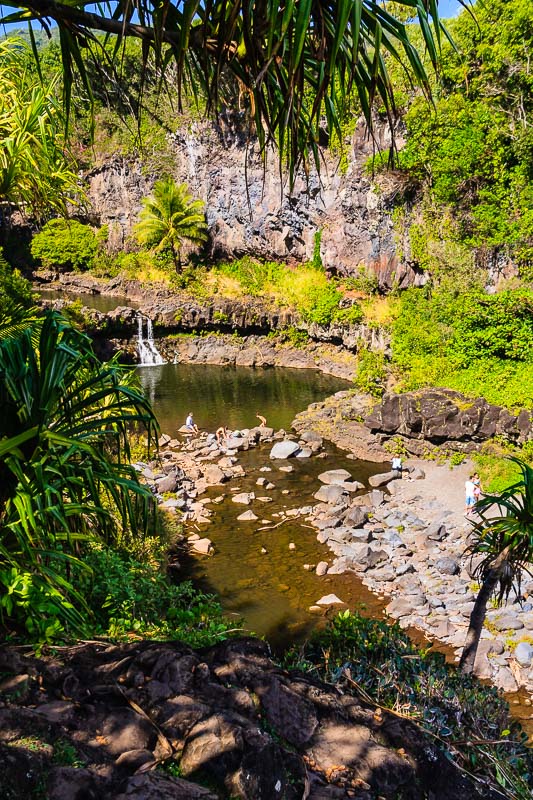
{"x": 148, "y": 352}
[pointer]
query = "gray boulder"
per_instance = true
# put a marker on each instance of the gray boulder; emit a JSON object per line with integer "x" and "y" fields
{"x": 329, "y": 494}
{"x": 524, "y": 654}
{"x": 284, "y": 449}
{"x": 381, "y": 479}
{"x": 447, "y": 565}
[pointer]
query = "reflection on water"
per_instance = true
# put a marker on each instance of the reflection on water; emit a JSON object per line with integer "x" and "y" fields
{"x": 100, "y": 302}
{"x": 232, "y": 396}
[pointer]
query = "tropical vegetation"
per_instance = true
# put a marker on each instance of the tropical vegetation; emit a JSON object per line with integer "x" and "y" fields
{"x": 37, "y": 175}
{"x": 289, "y": 67}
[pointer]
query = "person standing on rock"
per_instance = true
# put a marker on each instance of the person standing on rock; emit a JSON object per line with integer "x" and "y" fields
{"x": 262, "y": 420}
{"x": 470, "y": 495}
{"x": 397, "y": 466}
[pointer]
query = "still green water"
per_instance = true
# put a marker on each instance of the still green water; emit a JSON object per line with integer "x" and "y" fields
{"x": 232, "y": 396}
{"x": 100, "y": 302}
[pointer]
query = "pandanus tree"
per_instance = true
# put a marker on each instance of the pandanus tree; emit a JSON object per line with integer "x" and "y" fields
{"x": 65, "y": 475}
{"x": 503, "y": 536}
{"x": 36, "y": 174}
{"x": 169, "y": 217}
{"x": 296, "y": 64}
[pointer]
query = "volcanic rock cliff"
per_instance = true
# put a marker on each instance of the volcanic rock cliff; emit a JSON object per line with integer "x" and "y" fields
{"x": 250, "y": 209}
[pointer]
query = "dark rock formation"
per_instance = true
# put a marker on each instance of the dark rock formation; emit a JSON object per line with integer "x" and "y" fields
{"x": 103, "y": 721}
{"x": 444, "y": 416}
{"x": 249, "y": 210}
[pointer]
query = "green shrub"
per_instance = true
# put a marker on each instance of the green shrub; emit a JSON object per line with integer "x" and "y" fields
{"x": 128, "y": 595}
{"x": 371, "y": 372}
{"x": 65, "y": 245}
{"x": 15, "y": 291}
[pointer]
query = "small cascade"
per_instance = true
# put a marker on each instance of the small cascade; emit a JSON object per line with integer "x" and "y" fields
{"x": 148, "y": 352}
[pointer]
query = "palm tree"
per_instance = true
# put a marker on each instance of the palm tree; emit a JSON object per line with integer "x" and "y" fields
{"x": 506, "y": 543}
{"x": 297, "y": 63}
{"x": 65, "y": 476}
{"x": 169, "y": 217}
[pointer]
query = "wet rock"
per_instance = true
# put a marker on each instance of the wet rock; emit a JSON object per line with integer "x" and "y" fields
{"x": 284, "y": 449}
{"x": 304, "y": 452}
{"x": 203, "y": 546}
{"x": 329, "y": 600}
{"x": 245, "y": 498}
{"x": 311, "y": 436}
{"x": 247, "y": 516}
{"x": 321, "y": 568}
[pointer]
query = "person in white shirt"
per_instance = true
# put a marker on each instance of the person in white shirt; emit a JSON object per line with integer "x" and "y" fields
{"x": 470, "y": 495}
{"x": 397, "y": 466}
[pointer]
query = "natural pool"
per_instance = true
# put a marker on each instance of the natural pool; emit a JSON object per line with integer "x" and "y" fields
{"x": 270, "y": 591}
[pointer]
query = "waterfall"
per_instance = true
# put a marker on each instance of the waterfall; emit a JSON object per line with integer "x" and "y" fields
{"x": 148, "y": 352}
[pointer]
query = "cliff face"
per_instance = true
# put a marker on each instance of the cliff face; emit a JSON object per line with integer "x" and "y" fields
{"x": 250, "y": 210}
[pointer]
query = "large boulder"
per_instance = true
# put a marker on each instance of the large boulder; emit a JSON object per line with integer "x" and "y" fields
{"x": 335, "y": 476}
{"x": 284, "y": 449}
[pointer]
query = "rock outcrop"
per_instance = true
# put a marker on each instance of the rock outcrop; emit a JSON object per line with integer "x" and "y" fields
{"x": 445, "y": 417}
{"x": 110, "y": 722}
{"x": 250, "y": 211}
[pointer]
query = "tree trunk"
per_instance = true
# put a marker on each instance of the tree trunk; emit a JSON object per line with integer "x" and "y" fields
{"x": 176, "y": 253}
{"x": 477, "y": 617}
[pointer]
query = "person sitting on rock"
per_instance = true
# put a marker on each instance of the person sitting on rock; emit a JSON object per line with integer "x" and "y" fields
{"x": 397, "y": 466}
{"x": 190, "y": 424}
{"x": 262, "y": 420}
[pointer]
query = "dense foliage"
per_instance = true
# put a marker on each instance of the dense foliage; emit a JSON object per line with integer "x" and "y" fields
{"x": 37, "y": 176}
{"x": 288, "y": 67}
{"x": 477, "y": 343}
{"x": 65, "y": 245}
{"x": 65, "y": 476}
{"x": 469, "y": 160}
{"x": 377, "y": 661}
